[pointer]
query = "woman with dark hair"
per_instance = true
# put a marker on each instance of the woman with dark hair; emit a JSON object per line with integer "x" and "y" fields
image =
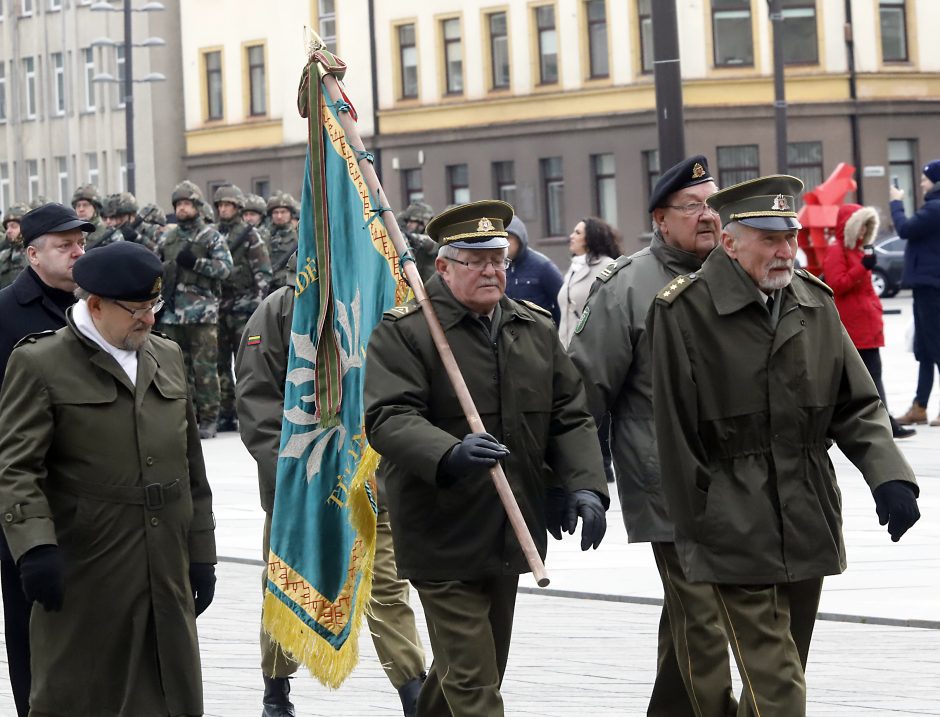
{"x": 593, "y": 245}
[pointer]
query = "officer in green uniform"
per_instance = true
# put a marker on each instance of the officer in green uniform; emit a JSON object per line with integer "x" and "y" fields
{"x": 87, "y": 205}
{"x": 282, "y": 238}
{"x": 12, "y": 252}
{"x": 452, "y": 536}
{"x": 114, "y": 536}
{"x": 753, "y": 377}
{"x": 196, "y": 260}
{"x": 242, "y": 290}
{"x": 412, "y": 222}
{"x": 610, "y": 348}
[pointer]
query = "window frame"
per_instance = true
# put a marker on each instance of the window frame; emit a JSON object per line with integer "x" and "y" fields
{"x": 3, "y": 89}
{"x": 94, "y": 173}
{"x": 589, "y": 24}
{"x": 412, "y": 193}
{"x": 644, "y": 19}
{"x": 552, "y": 182}
{"x": 802, "y": 5}
{"x": 121, "y": 157}
{"x": 63, "y": 178}
{"x": 88, "y": 59}
{"x": 453, "y": 186}
{"x": 505, "y": 189}
{"x": 715, "y": 13}
{"x": 6, "y": 187}
{"x": 31, "y": 179}
{"x": 795, "y": 166}
{"x": 491, "y": 46}
{"x": 651, "y": 170}
{"x": 120, "y": 69}
{"x": 540, "y": 55}
{"x": 905, "y": 35}
{"x": 59, "y": 107}
{"x": 912, "y": 171}
{"x": 205, "y": 54}
{"x": 323, "y": 17}
{"x": 599, "y": 179}
{"x": 446, "y": 44}
{"x": 249, "y": 80}
{"x": 402, "y": 94}
{"x": 23, "y": 11}
{"x": 30, "y": 98}
{"x": 723, "y": 181}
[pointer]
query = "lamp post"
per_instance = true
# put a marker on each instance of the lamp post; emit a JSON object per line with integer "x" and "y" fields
{"x": 128, "y": 84}
{"x": 667, "y": 77}
{"x": 780, "y": 95}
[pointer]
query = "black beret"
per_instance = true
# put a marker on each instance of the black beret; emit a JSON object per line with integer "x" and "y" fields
{"x": 123, "y": 270}
{"x": 686, "y": 173}
{"x": 49, "y": 218}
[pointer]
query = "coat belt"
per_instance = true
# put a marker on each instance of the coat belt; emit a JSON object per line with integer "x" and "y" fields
{"x": 154, "y": 495}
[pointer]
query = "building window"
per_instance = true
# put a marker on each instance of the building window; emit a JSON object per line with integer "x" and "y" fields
{"x": 58, "y": 84}
{"x": 548, "y": 44}
{"x": 731, "y": 32}
{"x": 32, "y": 178}
{"x": 91, "y": 160}
{"x": 554, "y": 184}
{"x": 6, "y": 197}
{"x": 737, "y": 163}
{"x": 651, "y": 170}
{"x": 326, "y": 17}
{"x": 458, "y": 184}
{"x": 122, "y": 169}
{"x": 29, "y": 88}
{"x": 645, "y": 23}
{"x": 408, "y": 60}
{"x": 605, "y": 187}
{"x": 55, "y": 4}
{"x": 893, "y": 31}
{"x": 799, "y": 32}
{"x": 453, "y": 56}
{"x": 120, "y": 65}
{"x": 62, "y": 169}
{"x": 261, "y": 187}
{"x": 504, "y": 181}
{"x": 805, "y": 160}
{"x": 89, "y": 57}
{"x": 596, "y": 11}
{"x": 412, "y": 186}
{"x": 26, "y": 8}
{"x": 901, "y": 155}
{"x": 213, "y": 62}
{"x": 3, "y": 88}
{"x": 499, "y": 50}
{"x": 257, "y": 96}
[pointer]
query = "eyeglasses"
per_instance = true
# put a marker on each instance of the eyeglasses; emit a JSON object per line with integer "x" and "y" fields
{"x": 138, "y": 314}
{"x": 692, "y": 209}
{"x": 479, "y": 265}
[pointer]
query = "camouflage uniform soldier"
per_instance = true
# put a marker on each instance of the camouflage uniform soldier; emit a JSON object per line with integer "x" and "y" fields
{"x": 195, "y": 261}
{"x": 12, "y": 253}
{"x": 423, "y": 248}
{"x": 152, "y": 221}
{"x": 283, "y": 238}
{"x": 242, "y": 291}
{"x": 87, "y": 205}
{"x": 255, "y": 211}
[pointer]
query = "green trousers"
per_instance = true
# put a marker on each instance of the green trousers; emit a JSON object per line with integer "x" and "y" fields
{"x": 231, "y": 326}
{"x": 200, "y": 345}
{"x": 470, "y": 626}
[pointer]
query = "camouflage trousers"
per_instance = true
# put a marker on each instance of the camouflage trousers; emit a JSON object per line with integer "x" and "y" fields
{"x": 200, "y": 344}
{"x": 231, "y": 326}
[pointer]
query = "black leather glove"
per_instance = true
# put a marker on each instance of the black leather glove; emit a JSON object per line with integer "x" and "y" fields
{"x": 42, "y": 572}
{"x": 475, "y": 452}
{"x": 869, "y": 260}
{"x": 556, "y": 501}
{"x": 128, "y": 233}
{"x": 186, "y": 258}
{"x": 202, "y": 581}
{"x": 896, "y": 505}
{"x": 588, "y": 505}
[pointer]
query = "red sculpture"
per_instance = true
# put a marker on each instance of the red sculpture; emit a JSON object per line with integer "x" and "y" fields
{"x": 818, "y": 215}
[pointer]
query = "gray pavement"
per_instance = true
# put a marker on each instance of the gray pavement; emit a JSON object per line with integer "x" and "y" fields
{"x": 595, "y": 648}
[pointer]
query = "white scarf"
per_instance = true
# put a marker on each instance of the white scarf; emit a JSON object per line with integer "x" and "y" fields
{"x": 127, "y": 360}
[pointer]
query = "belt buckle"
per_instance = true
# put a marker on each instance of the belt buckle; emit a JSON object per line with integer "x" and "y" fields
{"x": 153, "y": 496}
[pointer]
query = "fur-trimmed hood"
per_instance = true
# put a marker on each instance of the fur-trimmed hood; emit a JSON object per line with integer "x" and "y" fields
{"x": 854, "y": 221}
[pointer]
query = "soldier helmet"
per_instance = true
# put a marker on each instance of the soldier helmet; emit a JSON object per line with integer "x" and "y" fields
{"x": 14, "y": 213}
{"x": 88, "y": 192}
{"x": 187, "y": 190}
{"x": 109, "y": 206}
{"x": 229, "y": 193}
{"x": 152, "y": 214}
{"x": 207, "y": 212}
{"x": 294, "y": 207}
{"x": 124, "y": 203}
{"x": 38, "y": 202}
{"x": 254, "y": 203}
{"x": 281, "y": 199}
{"x": 417, "y": 212}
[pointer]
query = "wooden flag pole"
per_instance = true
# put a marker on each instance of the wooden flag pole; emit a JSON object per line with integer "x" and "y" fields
{"x": 519, "y": 527}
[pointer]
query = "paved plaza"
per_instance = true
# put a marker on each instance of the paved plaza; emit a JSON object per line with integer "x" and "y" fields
{"x": 588, "y": 642}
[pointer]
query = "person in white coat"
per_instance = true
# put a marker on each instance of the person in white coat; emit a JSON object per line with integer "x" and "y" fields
{"x": 593, "y": 244}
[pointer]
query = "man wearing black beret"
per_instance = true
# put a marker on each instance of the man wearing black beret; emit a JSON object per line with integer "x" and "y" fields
{"x": 104, "y": 500}
{"x": 611, "y": 349}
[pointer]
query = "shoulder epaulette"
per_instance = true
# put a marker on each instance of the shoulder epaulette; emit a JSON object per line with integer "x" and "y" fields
{"x": 613, "y": 268}
{"x": 162, "y": 335}
{"x": 813, "y": 279}
{"x": 536, "y": 308}
{"x": 33, "y": 338}
{"x": 397, "y": 312}
{"x": 675, "y": 287}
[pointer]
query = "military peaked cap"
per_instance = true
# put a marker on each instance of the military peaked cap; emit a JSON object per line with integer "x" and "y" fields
{"x": 767, "y": 203}
{"x": 686, "y": 173}
{"x": 477, "y": 225}
{"x": 124, "y": 270}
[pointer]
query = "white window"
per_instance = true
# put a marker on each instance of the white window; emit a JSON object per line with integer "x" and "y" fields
{"x": 327, "y": 20}
{"x": 32, "y": 178}
{"x": 91, "y": 159}
{"x": 26, "y": 8}
{"x": 122, "y": 165}
{"x": 55, "y": 4}
{"x": 453, "y": 56}
{"x": 121, "y": 66}
{"x": 62, "y": 167}
{"x": 3, "y": 87}
{"x": 29, "y": 77}
{"x": 58, "y": 84}
{"x": 88, "y": 54}
{"x": 5, "y": 199}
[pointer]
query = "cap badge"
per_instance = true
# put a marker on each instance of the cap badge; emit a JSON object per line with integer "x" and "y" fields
{"x": 485, "y": 225}
{"x": 698, "y": 171}
{"x": 781, "y": 204}
{"x": 157, "y": 286}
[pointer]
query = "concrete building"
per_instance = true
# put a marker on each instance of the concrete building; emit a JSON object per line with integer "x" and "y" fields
{"x": 58, "y": 128}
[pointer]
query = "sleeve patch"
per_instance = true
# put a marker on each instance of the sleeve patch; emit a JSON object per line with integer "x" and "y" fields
{"x": 254, "y": 340}
{"x": 582, "y": 322}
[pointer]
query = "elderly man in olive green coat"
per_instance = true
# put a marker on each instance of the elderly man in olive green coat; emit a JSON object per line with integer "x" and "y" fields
{"x": 105, "y": 501}
{"x": 452, "y": 536}
{"x": 753, "y": 377}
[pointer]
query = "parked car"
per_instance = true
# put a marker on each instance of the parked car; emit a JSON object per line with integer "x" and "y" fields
{"x": 886, "y": 276}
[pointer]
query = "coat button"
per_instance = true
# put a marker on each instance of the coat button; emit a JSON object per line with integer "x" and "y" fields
{"x": 8, "y": 517}
{"x": 149, "y": 460}
{"x": 154, "y": 521}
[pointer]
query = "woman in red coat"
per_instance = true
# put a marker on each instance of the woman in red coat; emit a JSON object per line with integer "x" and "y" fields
{"x": 847, "y": 268}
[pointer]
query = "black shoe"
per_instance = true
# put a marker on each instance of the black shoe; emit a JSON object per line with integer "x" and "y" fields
{"x": 408, "y": 693}
{"x": 227, "y": 423}
{"x": 276, "y": 702}
{"x": 902, "y": 432}
{"x": 207, "y": 429}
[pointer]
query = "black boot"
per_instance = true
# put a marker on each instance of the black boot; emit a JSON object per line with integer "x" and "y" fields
{"x": 227, "y": 423}
{"x": 276, "y": 700}
{"x": 409, "y": 695}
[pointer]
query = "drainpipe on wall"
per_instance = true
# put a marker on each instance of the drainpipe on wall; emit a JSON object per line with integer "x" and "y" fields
{"x": 853, "y": 95}
{"x": 375, "y": 92}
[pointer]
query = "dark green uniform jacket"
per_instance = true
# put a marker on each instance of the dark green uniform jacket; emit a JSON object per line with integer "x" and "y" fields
{"x": 77, "y": 444}
{"x": 610, "y": 347}
{"x": 744, "y": 413}
{"x": 529, "y": 396}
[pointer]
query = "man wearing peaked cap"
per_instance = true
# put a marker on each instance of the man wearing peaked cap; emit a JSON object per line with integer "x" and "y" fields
{"x": 753, "y": 377}
{"x": 610, "y": 347}
{"x": 96, "y": 420}
{"x": 451, "y": 534}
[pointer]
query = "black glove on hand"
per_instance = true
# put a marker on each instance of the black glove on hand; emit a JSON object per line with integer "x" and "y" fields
{"x": 42, "y": 572}
{"x": 869, "y": 261}
{"x": 556, "y": 500}
{"x": 202, "y": 581}
{"x": 896, "y": 505}
{"x": 128, "y": 233}
{"x": 588, "y": 505}
{"x": 186, "y": 258}
{"x": 474, "y": 452}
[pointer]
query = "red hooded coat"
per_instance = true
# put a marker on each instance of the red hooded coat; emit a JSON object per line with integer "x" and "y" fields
{"x": 859, "y": 306}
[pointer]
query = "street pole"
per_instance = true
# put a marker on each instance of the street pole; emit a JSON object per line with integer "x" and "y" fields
{"x": 853, "y": 97}
{"x": 128, "y": 90}
{"x": 667, "y": 76}
{"x": 780, "y": 94}
{"x": 376, "y": 151}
